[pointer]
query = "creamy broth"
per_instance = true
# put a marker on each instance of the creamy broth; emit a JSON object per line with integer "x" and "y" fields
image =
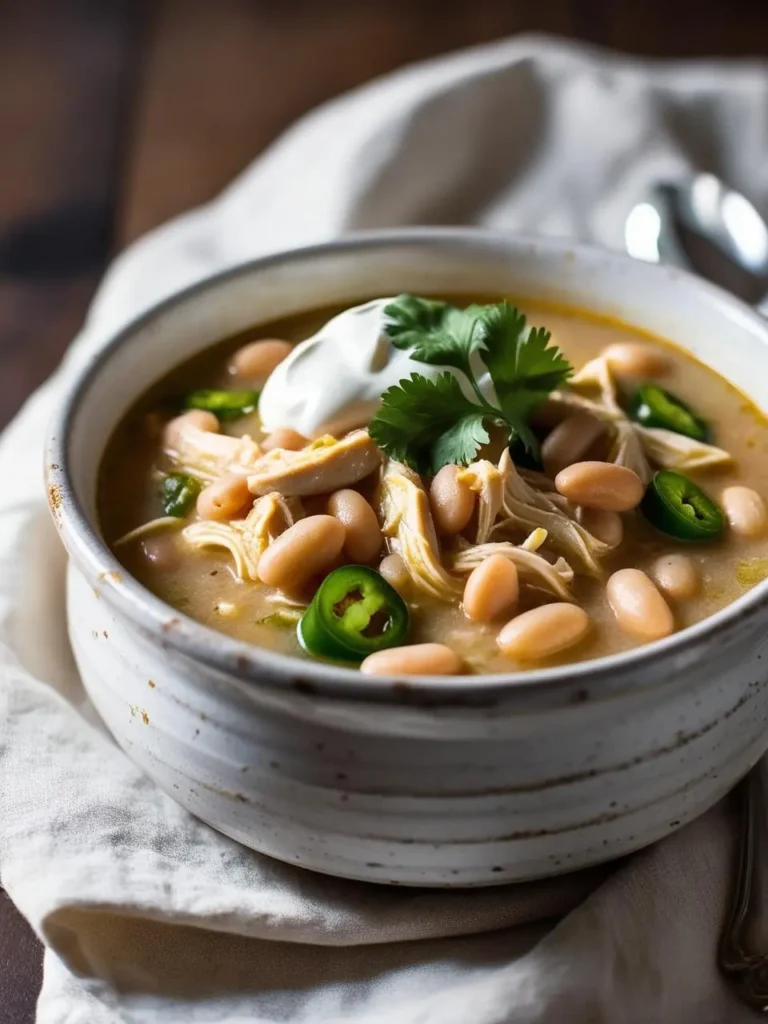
{"x": 204, "y": 585}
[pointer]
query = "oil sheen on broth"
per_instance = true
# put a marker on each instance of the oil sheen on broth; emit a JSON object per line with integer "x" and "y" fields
{"x": 203, "y": 583}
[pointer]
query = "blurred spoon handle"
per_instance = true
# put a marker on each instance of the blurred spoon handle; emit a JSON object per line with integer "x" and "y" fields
{"x": 743, "y": 950}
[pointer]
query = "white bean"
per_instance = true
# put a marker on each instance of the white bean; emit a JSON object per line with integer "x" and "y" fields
{"x": 201, "y": 419}
{"x": 543, "y": 632}
{"x": 636, "y": 359}
{"x": 640, "y": 609}
{"x": 606, "y": 526}
{"x": 416, "y": 660}
{"x": 451, "y": 500}
{"x": 225, "y": 498}
{"x": 162, "y": 551}
{"x": 492, "y": 588}
{"x": 363, "y": 540}
{"x": 745, "y": 511}
{"x": 676, "y": 576}
{"x": 395, "y": 572}
{"x": 601, "y": 485}
{"x": 257, "y": 359}
{"x": 285, "y": 437}
{"x": 305, "y": 549}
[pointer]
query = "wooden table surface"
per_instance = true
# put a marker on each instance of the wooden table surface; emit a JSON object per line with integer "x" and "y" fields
{"x": 117, "y": 114}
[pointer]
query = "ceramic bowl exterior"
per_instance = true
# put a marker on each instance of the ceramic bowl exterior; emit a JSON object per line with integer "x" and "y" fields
{"x": 428, "y": 781}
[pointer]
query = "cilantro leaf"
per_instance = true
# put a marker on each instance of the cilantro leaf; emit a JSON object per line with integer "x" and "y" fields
{"x": 435, "y": 332}
{"x": 410, "y": 318}
{"x": 429, "y": 423}
{"x": 520, "y": 432}
{"x": 426, "y": 423}
{"x": 520, "y": 360}
{"x": 523, "y": 366}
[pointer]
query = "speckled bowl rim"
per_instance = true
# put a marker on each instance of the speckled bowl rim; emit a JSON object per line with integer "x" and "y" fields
{"x": 607, "y": 676}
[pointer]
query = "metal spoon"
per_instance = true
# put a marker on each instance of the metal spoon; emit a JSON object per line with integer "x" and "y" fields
{"x": 702, "y": 224}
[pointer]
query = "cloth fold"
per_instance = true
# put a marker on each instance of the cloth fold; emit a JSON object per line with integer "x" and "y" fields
{"x": 150, "y": 916}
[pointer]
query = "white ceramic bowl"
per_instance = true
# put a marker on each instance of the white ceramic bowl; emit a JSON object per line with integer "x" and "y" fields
{"x": 430, "y": 781}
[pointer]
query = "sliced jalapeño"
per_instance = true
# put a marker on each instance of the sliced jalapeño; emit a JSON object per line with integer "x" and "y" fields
{"x": 354, "y": 613}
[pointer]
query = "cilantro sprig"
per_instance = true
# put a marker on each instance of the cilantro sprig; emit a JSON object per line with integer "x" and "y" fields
{"x": 429, "y": 423}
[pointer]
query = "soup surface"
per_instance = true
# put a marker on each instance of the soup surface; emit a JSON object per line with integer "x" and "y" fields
{"x": 610, "y": 480}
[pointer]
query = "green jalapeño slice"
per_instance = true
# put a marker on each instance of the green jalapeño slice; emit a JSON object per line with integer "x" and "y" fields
{"x": 227, "y": 405}
{"x": 354, "y": 613}
{"x": 652, "y": 406}
{"x": 677, "y": 506}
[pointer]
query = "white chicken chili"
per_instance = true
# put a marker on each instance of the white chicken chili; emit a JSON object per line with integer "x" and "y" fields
{"x": 439, "y": 486}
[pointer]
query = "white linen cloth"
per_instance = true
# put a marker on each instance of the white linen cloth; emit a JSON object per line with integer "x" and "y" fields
{"x": 150, "y": 916}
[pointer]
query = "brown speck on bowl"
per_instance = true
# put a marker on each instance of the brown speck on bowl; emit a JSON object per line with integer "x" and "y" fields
{"x": 55, "y": 498}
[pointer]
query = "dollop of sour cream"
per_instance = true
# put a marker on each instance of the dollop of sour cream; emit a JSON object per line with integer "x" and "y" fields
{"x": 350, "y": 361}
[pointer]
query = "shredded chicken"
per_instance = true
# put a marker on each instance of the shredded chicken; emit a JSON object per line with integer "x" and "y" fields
{"x": 147, "y": 529}
{"x": 270, "y": 516}
{"x": 325, "y": 465}
{"x": 322, "y": 466}
{"x": 246, "y": 539}
{"x": 206, "y": 455}
{"x": 526, "y": 508}
{"x": 635, "y": 446}
{"x": 534, "y": 569}
{"x": 487, "y": 482}
{"x": 676, "y": 451}
{"x": 208, "y": 534}
{"x": 629, "y": 450}
{"x": 283, "y": 600}
{"x": 407, "y": 524}
{"x": 541, "y": 482}
{"x": 596, "y": 375}
{"x": 282, "y": 617}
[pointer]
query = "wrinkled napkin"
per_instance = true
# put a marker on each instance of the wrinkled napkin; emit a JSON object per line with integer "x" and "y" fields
{"x": 149, "y": 915}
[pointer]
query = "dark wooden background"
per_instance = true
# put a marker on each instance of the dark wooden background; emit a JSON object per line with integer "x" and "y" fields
{"x": 117, "y": 114}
